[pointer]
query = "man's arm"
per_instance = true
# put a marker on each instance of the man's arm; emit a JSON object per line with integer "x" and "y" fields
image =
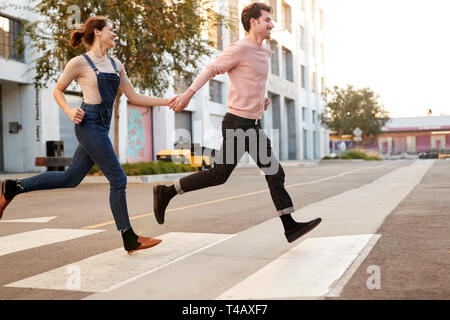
{"x": 224, "y": 63}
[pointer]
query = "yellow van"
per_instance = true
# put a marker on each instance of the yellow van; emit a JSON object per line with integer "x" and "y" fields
{"x": 184, "y": 156}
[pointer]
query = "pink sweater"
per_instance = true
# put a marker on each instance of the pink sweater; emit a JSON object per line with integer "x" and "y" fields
{"x": 247, "y": 65}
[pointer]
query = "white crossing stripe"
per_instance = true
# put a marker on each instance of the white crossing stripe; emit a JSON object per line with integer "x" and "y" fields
{"x": 37, "y": 238}
{"x": 112, "y": 269}
{"x": 308, "y": 270}
{"x": 30, "y": 220}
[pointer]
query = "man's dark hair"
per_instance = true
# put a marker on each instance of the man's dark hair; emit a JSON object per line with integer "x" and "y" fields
{"x": 253, "y": 10}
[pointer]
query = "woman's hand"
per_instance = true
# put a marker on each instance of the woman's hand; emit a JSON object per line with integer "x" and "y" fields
{"x": 76, "y": 115}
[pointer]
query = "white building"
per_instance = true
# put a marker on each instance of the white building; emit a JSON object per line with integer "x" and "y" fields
{"x": 29, "y": 117}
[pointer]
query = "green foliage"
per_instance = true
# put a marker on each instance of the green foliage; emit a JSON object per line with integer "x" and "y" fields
{"x": 155, "y": 37}
{"x": 148, "y": 168}
{"x": 350, "y": 108}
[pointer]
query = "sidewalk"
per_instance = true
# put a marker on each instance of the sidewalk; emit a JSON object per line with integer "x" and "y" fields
{"x": 154, "y": 178}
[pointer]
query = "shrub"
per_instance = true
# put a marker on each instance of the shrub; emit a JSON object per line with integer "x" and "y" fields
{"x": 148, "y": 168}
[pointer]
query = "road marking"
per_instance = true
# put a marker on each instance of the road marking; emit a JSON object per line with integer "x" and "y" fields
{"x": 307, "y": 270}
{"x": 30, "y": 220}
{"x": 113, "y": 269}
{"x": 95, "y": 226}
{"x": 37, "y": 238}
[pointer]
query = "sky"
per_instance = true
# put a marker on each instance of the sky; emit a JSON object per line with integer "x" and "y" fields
{"x": 400, "y": 49}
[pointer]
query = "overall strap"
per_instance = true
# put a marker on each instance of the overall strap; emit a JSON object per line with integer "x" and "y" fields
{"x": 90, "y": 62}
{"x": 114, "y": 65}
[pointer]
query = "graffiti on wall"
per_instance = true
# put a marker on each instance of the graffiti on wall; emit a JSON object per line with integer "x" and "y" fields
{"x": 139, "y": 134}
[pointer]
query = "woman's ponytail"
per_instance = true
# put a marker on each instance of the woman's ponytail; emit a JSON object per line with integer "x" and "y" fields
{"x": 85, "y": 34}
{"x": 76, "y": 37}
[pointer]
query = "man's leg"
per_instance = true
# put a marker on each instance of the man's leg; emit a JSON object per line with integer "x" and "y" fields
{"x": 229, "y": 155}
{"x": 274, "y": 174}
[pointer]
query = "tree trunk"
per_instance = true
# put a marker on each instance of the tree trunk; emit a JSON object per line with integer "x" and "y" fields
{"x": 116, "y": 123}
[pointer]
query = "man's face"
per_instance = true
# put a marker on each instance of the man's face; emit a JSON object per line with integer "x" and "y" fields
{"x": 263, "y": 25}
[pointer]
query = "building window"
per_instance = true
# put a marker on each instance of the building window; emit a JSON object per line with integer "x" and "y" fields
{"x": 182, "y": 81}
{"x": 313, "y": 10}
{"x": 313, "y": 116}
{"x": 322, "y": 22}
{"x": 313, "y": 44}
{"x": 215, "y": 91}
{"x": 288, "y": 65}
{"x": 322, "y": 53}
{"x": 303, "y": 5}
{"x": 10, "y": 31}
{"x": 302, "y": 38}
{"x": 303, "y": 113}
{"x": 303, "y": 77}
{"x": 313, "y": 82}
{"x": 322, "y": 85}
{"x": 273, "y": 4}
{"x": 215, "y": 34}
{"x": 274, "y": 60}
{"x": 287, "y": 17}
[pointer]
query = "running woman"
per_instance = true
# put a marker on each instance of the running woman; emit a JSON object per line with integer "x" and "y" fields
{"x": 247, "y": 65}
{"x": 99, "y": 76}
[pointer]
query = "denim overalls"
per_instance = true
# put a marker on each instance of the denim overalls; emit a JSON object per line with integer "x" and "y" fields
{"x": 94, "y": 147}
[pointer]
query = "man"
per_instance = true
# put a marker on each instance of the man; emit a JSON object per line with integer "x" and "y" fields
{"x": 247, "y": 65}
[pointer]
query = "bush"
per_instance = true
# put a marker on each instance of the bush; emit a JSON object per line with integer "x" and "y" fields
{"x": 358, "y": 154}
{"x": 147, "y": 168}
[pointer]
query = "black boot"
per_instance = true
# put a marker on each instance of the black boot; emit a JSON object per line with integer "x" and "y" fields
{"x": 161, "y": 198}
{"x": 300, "y": 228}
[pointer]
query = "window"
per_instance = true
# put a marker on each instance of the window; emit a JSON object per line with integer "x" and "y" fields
{"x": 313, "y": 116}
{"x": 303, "y": 5}
{"x": 288, "y": 66}
{"x": 274, "y": 60}
{"x": 10, "y": 31}
{"x": 182, "y": 81}
{"x": 322, "y": 85}
{"x": 313, "y": 82}
{"x": 273, "y": 4}
{"x": 302, "y": 38}
{"x": 287, "y": 17}
{"x": 313, "y": 44}
{"x": 313, "y": 9}
{"x": 303, "y": 113}
{"x": 234, "y": 21}
{"x": 303, "y": 77}
{"x": 322, "y": 22}
{"x": 322, "y": 53}
{"x": 215, "y": 33}
{"x": 215, "y": 91}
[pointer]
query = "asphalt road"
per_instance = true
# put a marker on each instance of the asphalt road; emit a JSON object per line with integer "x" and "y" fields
{"x": 384, "y": 235}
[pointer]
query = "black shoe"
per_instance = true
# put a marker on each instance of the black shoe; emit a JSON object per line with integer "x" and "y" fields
{"x": 300, "y": 229}
{"x": 160, "y": 203}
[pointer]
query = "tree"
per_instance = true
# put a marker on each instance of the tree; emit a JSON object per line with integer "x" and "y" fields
{"x": 156, "y": 38}
{"x": 350, "y": 108}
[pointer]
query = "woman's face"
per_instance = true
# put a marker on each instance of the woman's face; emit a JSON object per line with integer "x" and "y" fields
{"x": 106, "y": 36}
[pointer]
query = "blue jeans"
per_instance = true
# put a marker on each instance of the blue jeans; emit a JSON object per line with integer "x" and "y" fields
{"x": 94, "y": 147}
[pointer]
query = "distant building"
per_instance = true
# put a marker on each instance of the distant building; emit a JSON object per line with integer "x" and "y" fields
{"x": 413, "y": 135}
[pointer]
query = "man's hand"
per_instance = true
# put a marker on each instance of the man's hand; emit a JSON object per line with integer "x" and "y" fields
{"x": 266, "y": 103}
{"x": 180, "y": 102}
{"x": 76, "y": 115}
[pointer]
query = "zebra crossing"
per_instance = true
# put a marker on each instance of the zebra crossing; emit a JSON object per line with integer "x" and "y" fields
{"x": 256, "y": 263}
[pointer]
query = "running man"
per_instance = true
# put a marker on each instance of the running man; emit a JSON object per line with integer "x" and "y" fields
{"x": 247, "y": 65}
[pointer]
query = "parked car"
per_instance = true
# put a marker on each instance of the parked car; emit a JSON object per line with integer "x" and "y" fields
{"x": 189, "y": 154}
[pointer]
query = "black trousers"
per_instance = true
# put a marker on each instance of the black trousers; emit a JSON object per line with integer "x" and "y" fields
{"x": 242, "y": 135}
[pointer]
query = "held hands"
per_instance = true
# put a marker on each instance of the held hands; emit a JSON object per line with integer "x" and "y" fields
{"x": 76, "y": 115}
{"x": 180, "y": 102}
{"x": 266, "y": 103}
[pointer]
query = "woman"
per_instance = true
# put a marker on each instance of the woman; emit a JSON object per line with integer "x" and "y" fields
{"x": 99, "y": 77}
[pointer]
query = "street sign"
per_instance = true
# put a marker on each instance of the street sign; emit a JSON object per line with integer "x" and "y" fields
{"x": 357, "y": 132}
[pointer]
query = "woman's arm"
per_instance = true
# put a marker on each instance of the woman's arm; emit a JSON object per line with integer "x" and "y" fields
{"x": 75, "y": 114}
{"x": 140, "y": 99}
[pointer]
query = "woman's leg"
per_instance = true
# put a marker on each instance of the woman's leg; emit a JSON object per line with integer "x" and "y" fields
{"x": 75, "y": 173}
